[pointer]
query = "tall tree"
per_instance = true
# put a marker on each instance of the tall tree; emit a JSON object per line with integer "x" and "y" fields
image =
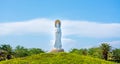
{"x": 105, "y": 47}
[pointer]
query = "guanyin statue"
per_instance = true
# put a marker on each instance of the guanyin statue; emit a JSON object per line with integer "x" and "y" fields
{"x": 57, "y": 41}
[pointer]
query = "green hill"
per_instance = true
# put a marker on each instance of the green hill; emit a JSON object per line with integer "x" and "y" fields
{"x": 59, "y": 58}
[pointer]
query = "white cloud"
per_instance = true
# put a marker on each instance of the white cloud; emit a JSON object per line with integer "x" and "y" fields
{"x": 91, "y": 29}
{"x": 69, "y": 27}
{"x": 31, "y": 26}
{"x": 115, "y": 44}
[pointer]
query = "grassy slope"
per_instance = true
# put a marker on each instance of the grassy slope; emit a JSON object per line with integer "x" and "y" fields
{"x": 60, "y": 58}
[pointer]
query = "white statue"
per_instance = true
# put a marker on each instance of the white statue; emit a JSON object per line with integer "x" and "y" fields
{"x": 57, "y": 43}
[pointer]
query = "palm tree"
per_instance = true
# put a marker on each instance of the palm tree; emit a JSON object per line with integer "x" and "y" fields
{"x": 105, "y": 49}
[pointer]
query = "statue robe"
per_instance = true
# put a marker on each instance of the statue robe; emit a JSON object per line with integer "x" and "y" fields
{"x": 57, "y": 44}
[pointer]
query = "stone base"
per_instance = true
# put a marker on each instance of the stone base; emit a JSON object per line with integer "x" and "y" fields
{"x": 56, "y": 50}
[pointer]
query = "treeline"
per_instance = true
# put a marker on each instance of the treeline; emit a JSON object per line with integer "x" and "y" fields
{"x": 104, "y": 51}
{"x": 7, "y": 52}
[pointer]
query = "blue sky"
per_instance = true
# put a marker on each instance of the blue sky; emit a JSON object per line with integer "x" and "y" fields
{"x": 85, "y": 23}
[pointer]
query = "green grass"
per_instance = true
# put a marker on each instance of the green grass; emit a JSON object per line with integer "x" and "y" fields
{"x": 58, "y": 58}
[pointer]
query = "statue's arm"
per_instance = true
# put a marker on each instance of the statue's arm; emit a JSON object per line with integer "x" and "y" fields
{"x": 58, "y": 30}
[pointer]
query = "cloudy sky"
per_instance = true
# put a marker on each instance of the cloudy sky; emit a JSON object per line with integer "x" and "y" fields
{"x": 85, "y": 23}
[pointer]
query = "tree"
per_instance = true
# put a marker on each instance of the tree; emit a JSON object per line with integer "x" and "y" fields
{"x": 8, "y": 51}
{"x": 20, "y": 51}
{"x": 95, "y": 52}
{"x": 74, "y": 50}
{"x": 79, "y": 51}
{"x": 116, "y": 55}
{"x": 3, "y": 55}
{"x": 35, "y": 51}
{"x": 105, "y": 47}
{"x": 7, "y": 48}
{"x": 84, "y": 51}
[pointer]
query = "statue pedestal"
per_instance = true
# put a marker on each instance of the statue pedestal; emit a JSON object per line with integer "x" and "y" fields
{"x": 56, "y": 50}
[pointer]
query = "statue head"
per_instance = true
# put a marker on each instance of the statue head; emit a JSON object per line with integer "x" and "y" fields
{"x": 57, "y": 23}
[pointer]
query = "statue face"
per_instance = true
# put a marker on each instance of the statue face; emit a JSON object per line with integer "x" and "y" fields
{"x": 57, "y": 23}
